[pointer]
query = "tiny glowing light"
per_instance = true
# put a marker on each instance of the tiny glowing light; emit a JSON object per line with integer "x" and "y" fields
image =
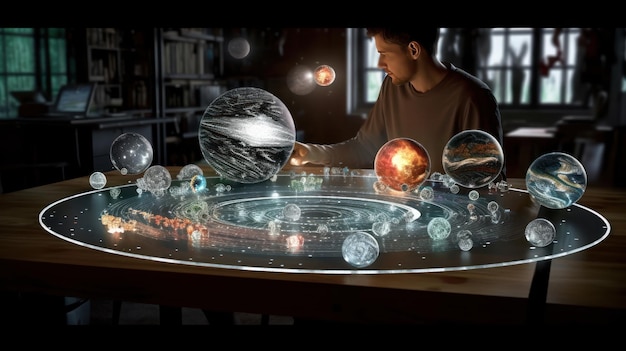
{"x": 294, "y": 243}
{"x": 324, "y": 75}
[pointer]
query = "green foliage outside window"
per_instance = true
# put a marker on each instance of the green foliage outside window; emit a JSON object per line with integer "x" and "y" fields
{"x": 19, "y": 69}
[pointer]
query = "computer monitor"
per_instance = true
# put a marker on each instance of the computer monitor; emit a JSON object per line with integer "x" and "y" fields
{"x": 74, "y": 99}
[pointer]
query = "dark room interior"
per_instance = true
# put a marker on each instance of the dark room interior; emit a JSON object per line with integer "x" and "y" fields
{"x": 558, "y": 90}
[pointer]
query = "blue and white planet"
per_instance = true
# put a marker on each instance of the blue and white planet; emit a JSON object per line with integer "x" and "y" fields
{"x": 556, "y": 180}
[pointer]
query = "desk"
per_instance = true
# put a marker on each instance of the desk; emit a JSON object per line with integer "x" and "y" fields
{"x": 82, "y": 144}
{"x": 585, "y": 287}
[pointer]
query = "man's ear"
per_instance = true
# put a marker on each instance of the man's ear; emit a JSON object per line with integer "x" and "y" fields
{"x": 414, "y": 49}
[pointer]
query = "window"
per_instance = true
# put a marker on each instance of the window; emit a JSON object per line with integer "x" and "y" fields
{"x": 364, "y": 76}
{"x": 507, "y": 62}
{"x": 31, "y": 59}
{"x": 527, "y": 68}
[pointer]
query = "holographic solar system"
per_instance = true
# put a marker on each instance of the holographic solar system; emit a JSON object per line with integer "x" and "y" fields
{"x": 252, "y": 214}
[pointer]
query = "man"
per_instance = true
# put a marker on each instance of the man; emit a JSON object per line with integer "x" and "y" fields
{"x": 420, "y": 98}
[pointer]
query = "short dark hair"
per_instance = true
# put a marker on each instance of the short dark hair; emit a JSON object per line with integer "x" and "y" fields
{"x": 425, "y": 36}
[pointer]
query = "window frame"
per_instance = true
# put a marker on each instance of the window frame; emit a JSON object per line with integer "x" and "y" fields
{"x": 46, "y": 49}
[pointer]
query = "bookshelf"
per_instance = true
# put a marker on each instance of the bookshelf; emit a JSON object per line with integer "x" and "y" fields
{"x": 192, "y": 66}
{"x": 170, "y": 73}
{"x": 121, "y": 63}
{"x": 137, "y": 53}
{"x": 164, "y": 71}
{"x": 104, "y": 67}
{"x": 190, "y": 73}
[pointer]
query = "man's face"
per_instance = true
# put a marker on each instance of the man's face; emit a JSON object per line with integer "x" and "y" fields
{"x": 395, "y": 60}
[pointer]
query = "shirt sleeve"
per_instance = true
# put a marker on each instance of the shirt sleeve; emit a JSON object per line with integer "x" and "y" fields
{"x": 360, "y": 151}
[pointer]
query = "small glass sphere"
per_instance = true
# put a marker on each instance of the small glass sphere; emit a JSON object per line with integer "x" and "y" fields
{"x": 438, "y": 228}
{"x": 324, "y": 75}
{"x": 238, "y": 47}
{"x": 360, "y": 249}
{"x": 131, "y": 153}
{"x": 97, "y": 180}
{"x": 157, "y": 178}
{"x": 473, "y": 195}
{"x": 540, "y": 232}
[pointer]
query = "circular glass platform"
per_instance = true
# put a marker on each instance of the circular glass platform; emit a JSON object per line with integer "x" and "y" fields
{"x": 299, "y": 223}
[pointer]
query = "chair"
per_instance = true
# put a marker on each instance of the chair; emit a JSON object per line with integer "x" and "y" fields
{"x": 592, "y": 144}
{"x": 17, "y": 176}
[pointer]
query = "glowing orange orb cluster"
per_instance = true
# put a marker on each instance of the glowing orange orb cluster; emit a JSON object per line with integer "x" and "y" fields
{"x": 324, "y": 75}
{"x": 402, "y": 164}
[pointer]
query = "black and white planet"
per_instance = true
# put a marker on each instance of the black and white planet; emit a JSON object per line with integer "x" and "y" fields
{"x": 247, "y": 135}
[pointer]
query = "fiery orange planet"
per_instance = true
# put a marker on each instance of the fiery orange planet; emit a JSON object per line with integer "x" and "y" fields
{"x": 402, "y": 164}
{"x": 324, "y": 75}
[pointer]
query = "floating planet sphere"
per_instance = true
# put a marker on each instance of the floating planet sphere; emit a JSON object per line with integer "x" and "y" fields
{"x": 540, "y": 232}
{"x": 473, "y": 158}
{"x": 473, "y": 195}
{"x": 381, "y": 228}
{"x": 324, "y": 75}
{"x": 466, "y": 244}
{"x": 97, "y": 180}
{"x": 556, "y": 180}
{"x": 464, "y": 239}
{"x": 454, "y": 189}
{"x": 360, "y": 249}
{"x": 402, "y": 164}
{"x": 493, "y": 206}
{"x": 197, "y": 183}
{"x": 427, "y": 193}
{"x": 438, "y": 228}
{"x": 292, "y": 212}
{"x": 300, "y": 80}
{"x": 189, "y": 171}
{"x": 247, "y": 135}
{"x": 115, "y": 192}
{"x": 157, "y": 179}
{"x": 238, "y": 47}
{"x": 131, "y": 153}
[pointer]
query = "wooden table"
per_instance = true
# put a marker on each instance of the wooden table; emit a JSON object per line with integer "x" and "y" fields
{"x": 584, "y": 287}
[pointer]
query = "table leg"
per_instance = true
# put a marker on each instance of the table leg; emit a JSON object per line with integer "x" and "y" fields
{"x": 170, "y": 315}
{"x": 538, "y": 292}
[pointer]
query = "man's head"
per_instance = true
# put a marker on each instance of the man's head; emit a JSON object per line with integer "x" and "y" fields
{"x": 427, "y": 37}
{"x": 405, "y": 52}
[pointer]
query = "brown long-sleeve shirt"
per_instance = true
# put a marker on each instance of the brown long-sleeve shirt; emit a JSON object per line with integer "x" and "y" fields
{"x": 459, "y": 102}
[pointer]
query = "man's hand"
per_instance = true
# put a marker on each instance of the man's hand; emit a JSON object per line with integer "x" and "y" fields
{"x": 299, "y": 154}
